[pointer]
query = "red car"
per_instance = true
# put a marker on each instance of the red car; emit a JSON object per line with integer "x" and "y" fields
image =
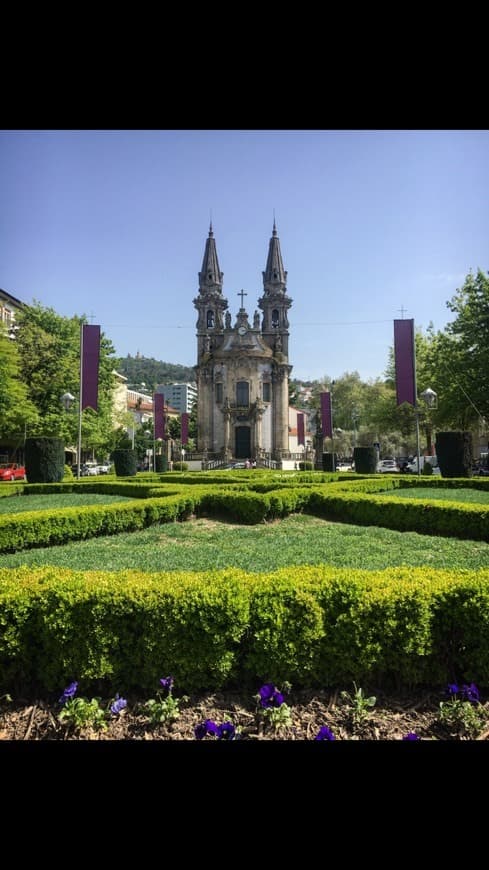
{"x": 11, "y": 471}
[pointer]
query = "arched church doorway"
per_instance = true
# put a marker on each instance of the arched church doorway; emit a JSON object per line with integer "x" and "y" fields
{"x": 243, "y": 442}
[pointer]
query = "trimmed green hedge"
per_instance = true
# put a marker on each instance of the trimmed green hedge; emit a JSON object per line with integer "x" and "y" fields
{"x": 349, "y": 503}
{"x": 309, "y": 625}
{"x": 448, "y": 518}
{"x": 41, "y": 528}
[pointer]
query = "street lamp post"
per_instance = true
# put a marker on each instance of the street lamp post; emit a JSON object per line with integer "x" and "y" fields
{"x": 354, "y": 417}
{"x": 183, "y": 458}
{"x": 66, "y": 400}
{"x": 430, "y": 398}
{"x": 135, "y": 420}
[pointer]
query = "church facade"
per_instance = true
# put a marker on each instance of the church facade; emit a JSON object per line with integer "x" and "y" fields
{"x": 243, "y": 369}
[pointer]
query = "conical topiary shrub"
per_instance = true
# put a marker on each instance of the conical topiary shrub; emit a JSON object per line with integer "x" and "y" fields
{"x": 44, "y": 459}
{"x": 454, "y": 453}
{"x": 329, "y": 461}
{"x": 125, "y": 462}
{"x": 161, "y": 462}
{"x": 366, "y": 459}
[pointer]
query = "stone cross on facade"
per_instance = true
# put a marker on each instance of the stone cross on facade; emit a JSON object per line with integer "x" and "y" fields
{"x": 242, "y": 293}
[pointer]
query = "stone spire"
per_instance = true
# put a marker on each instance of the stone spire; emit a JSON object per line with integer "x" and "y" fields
{"x": 210, "y": 277}
{"x": 274, "y": 276}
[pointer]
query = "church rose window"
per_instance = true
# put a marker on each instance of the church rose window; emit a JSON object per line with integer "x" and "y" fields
{"x": 242, "y": 393}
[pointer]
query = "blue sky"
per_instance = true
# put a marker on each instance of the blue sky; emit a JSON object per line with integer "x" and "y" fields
{"x": 113, "y": 224}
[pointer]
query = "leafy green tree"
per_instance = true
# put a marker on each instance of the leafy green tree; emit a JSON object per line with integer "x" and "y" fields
{"x": 461, "y": 356}
{"x": 174, "y": 428}
{"x": 16, "y": 409}
{"x": 49, "y": 351}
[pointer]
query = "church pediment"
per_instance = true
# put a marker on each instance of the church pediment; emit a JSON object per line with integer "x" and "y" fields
{"x": 245, "y": 342}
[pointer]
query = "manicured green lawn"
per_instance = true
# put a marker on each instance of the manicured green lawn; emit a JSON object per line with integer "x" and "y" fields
{"x": 297, "y": 540}
{"x": 18, "y": 504}
{"x": 469, "y": 496}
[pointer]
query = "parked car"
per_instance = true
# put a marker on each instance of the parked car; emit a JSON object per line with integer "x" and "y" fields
{"x": 89, "y": 469}
{"x": 12, "y": 471}
{"x": 431, "y": 460}
{"x": 387, "y": 466}
{"x": 104, "y": 468}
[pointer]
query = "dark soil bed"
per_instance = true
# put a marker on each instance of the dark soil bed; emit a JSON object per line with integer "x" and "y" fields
{"x": 391, "y": 718}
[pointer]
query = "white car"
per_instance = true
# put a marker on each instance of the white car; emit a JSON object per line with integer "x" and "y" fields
{"x": 344, "y": 466}
{"x": 431, "y": 460}
{"x": 387, "y": 466}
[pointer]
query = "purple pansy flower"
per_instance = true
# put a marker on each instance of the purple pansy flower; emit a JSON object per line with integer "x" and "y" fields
{"x": 69, "y": 692}
{"x": 200, "y": 731}
{"x": 167, "y": 683}
{"x": 471, "y": 693}
{"x": 118, "y": 705}
{"x": 411, "y": 736}
{"x": 453, "y": 689}
{"x": 227, "y": 731}
{"x": 270, "y": 696}
{"x": 207, "y": 727}
{"x": 325, "y": 733}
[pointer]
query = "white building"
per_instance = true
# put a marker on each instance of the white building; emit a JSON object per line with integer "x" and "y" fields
{"x": 179, "y": 396}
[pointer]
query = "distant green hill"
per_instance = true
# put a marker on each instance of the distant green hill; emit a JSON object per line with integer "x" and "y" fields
{"x": 151, "y": 372}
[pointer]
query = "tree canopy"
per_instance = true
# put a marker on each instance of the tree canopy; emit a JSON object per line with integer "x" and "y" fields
{"x": 48, "y": 347}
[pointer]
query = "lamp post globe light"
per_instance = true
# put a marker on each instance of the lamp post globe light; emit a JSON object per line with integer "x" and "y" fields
{"x": 66, "y": 400}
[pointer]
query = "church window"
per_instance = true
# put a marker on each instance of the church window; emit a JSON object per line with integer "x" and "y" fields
{"x": 210, "y": 276}
{"x": 266, "y": 391}
{"x": 275, "y": 318}
{"x": 210, "y": 319}
{"x": 219, "y": 394}
{"x": 275, "y": 275}
{"x": 242, "y": 394}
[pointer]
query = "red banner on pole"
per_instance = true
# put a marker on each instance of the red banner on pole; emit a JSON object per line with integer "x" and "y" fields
{"x": 405, "y": 360}
{"x": 326, "y": 415}
{"x": 185, "y": 428}
{"x": 300, "y": 429}
{"x": 90, "y": 341}
{"x": 159, "y": 415}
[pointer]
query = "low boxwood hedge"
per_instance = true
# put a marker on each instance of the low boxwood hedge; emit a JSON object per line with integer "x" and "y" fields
{"x": 309, "y": 625}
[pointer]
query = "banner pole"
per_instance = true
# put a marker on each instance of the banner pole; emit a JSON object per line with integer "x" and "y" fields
{"x": 80, "y": 406}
